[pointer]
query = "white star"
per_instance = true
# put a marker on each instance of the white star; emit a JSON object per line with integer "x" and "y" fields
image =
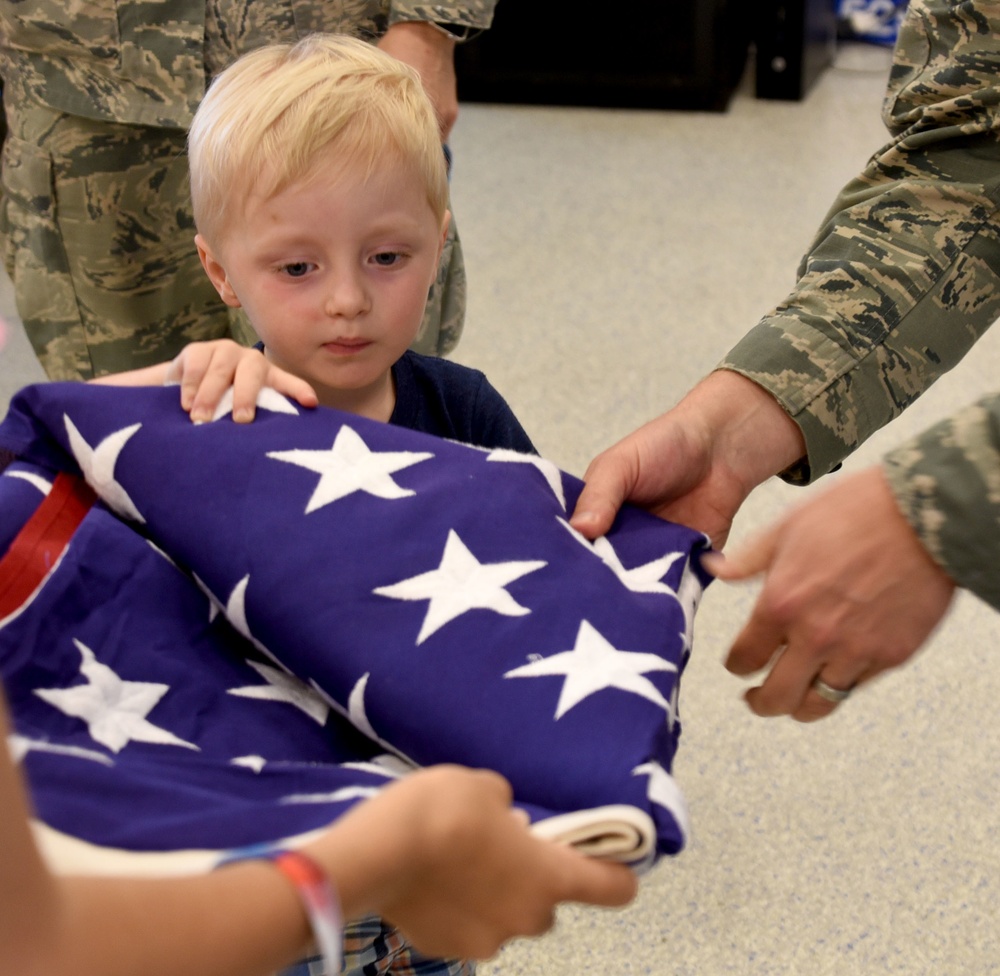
{"x": 236, "y": 611}
{"x": 593, "y": 665}
{"x": 20, "y": 746}
{"x": 664, "y": 791}
{"x": 213, "y": 604}
{"x": 283, "y": 687}
{"x": 357, "y": 715}
{"x": 459, "y": 584}
{"x": 256, "y": 763}
{"x": 672, "y": 710}
{"x": 267, "y": 399}
{"x": 98, "y": 466}
{"x": 152, "y": 545}
{"x": 387, "y": 765}
{"x": 688, "y": 595}
{"x": 640, "y": 579}
{"x": 548, "y": 470}
{"x": 350, "y": 466}
{"x": 356, "y": 711}
{"x": 34, "y": 479}
{"x": 114, "y": 710}
{"x": 336, "y": 796}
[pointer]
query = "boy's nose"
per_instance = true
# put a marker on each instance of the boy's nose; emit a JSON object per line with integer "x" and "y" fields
{"x": 347, "y": 297}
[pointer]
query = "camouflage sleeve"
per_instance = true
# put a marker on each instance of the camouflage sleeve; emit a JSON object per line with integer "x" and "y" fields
{"x": 947, "y": 483}
{"x": 903, "y": 276}
{"x": 474, "y": 14}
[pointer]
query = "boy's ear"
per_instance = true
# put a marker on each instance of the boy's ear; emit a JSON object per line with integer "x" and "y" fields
{"x": 216, "y": 272}
{"x": 445, "y": 224}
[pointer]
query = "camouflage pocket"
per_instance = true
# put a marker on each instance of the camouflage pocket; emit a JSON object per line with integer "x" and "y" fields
{"x": 26, "y": 177}
{"x": 59, "y": 29}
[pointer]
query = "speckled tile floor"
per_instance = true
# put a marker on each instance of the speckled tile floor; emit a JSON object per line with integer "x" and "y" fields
{"x": 613, "y": 256}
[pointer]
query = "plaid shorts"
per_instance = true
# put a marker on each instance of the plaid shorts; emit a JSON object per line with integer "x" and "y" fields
{"x": 373, "y": 948}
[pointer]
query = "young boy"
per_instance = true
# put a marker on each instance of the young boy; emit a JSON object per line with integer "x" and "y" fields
{"x": 320, "y": 196}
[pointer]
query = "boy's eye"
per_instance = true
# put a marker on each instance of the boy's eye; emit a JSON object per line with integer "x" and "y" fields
{"x": 296, "y": 270}
{"x": 386, "y": 259}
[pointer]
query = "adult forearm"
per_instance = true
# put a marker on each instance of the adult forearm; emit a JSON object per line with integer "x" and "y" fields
{"x": 904, "y": 274}
{"x": 859, "y": 340}
{"x": 947, "y": 483}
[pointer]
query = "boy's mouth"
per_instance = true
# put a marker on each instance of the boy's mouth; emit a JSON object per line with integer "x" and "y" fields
{"x": 345, "y": 346}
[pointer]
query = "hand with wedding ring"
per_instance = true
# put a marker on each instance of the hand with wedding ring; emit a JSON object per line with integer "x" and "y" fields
{"x": 849, "y": 591}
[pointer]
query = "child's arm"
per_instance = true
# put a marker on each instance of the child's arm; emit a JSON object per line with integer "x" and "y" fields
{"x": 447, "y": 860}
{"x": 439, "y": 853}
{"x": 205, "y": 370}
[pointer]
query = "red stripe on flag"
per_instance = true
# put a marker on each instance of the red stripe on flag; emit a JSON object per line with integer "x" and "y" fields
{"x": 42, "y": 540}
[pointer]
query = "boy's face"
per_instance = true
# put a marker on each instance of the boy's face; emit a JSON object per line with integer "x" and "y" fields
{"x": 333, "y": 273}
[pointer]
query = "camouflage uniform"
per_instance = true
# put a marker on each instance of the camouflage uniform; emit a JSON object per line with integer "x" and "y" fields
{"x": 901, "y": 280}
{"x": 95, "y": 211}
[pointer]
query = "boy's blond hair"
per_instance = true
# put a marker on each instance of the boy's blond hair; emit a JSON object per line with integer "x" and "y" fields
{"x": 267, "y": 120}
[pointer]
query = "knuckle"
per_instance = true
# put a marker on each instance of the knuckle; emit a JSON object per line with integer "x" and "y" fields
{"x": 820, "y": 631}
{"x": 893, "y": 653}
{"x": 782, "y": 605}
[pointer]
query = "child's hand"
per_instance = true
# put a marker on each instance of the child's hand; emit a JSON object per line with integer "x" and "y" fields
{"x": 445, "y": 858}
{"x": 205, "y": 370}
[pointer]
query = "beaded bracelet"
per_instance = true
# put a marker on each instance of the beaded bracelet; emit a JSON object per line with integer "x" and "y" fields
{"x": 317, "y": 894}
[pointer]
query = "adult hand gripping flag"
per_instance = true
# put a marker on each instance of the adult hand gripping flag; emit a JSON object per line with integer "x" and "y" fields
{"x": 256, "y": 626}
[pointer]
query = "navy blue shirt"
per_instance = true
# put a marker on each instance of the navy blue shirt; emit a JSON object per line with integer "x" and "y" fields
{"x": 449, "y": 400}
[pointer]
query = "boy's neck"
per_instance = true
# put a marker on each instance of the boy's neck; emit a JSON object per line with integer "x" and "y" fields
{"x": 374, "y": 402}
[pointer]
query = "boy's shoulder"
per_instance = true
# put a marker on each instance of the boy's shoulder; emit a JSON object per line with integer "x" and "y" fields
{"x": 450, "y": 400}
{"x": 425, "y": 380}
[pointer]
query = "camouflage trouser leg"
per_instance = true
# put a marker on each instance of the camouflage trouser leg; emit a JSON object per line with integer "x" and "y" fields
{"x": 98, "y": 238}
{"x": 445, "y": 312}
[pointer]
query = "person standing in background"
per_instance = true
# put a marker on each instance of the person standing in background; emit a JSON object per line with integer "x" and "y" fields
{"x": 95, "y": 210}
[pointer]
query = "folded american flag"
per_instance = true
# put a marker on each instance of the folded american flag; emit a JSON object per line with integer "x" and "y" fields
{"x": 256, "y": 626}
